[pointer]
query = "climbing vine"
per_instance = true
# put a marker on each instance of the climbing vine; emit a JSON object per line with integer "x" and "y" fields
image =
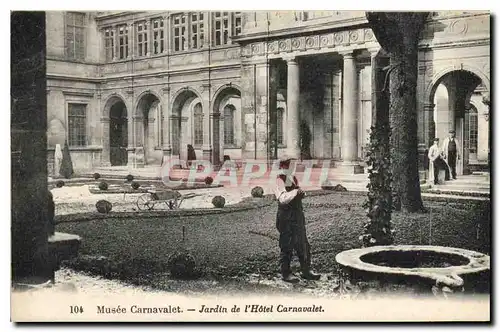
{"x": 378, "y": 230}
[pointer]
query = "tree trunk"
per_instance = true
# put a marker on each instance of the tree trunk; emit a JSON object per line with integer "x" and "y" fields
{"x": 30, "y": 201}
{"x": 404, "y": 139}
{"x": 398, "y": 34}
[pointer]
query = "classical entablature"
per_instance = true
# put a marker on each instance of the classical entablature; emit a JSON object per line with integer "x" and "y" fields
{"x": 320, "y": 43}
{"x": 274, "y": 24}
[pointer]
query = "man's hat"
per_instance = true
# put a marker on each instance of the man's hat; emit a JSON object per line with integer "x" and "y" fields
{"x": 436, "y": 139}
{"x": 285, "y": 160}
{"x": 452, "y": 131}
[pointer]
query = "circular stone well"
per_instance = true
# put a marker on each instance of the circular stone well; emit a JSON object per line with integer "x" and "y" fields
{"x": 444, "y": 266}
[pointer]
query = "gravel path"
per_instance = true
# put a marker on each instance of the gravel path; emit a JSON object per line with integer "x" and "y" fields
{"x": 77, "y": 282}
{"x": 79, "y": 199}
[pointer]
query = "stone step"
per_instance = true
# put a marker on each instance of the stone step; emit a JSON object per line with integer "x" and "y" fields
{"x": 460, "y": 193}
{"x": 463, "y": 186}
{"x": 461, "y": 189}
{"x": 481, "y": 173}
{"x": 472, "y": 178}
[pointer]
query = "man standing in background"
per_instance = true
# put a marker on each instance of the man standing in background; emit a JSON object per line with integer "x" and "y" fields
{"x": 451, "y": 155}
{"x": 436, "y": 159}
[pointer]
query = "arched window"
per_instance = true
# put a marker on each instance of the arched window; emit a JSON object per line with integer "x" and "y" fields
{"x": 279, "y": 122}
{"x": 198, "y": 124}
{"x": 229, "y": 124}
{"x": 473, "y": 130}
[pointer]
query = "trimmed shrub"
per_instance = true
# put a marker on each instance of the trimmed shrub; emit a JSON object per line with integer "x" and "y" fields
{"x": 219, "y": 201}
{"x": 339, "y": 187}
{"x": 60, "y": 184}
{"x": 135, "y": 185}
{"x": 97, "y": 176}
{"x": 257, "y": 192}
{"x": 326, "y": 185}
{"x": 181, "y": 265}
{"x": 103, "y": 185}
{"x": 66, "y": 170}
{"x": 209, "y": 180}
{"x": 103, "y": 206}
{"x": 129, "y": 178}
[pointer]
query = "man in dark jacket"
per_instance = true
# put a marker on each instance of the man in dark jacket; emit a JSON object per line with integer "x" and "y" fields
{"x": 290, "y": 222}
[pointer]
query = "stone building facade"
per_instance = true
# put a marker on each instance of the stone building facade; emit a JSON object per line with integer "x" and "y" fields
{"x": 130, "y": 88}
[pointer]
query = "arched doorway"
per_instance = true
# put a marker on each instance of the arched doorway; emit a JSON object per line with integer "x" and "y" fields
{"x": 115, "y": 131}
{"x": 187, "y": 124}
{"x": 118, "y": 134}
{"x": 453, "y": 95}
{"x": 149, "y": 129}
{"x": 226, "y": 124}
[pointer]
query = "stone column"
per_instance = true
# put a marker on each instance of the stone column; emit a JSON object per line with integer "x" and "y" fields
{"x": 207, "y": 33}
{"x": 137, "y": 152}
{"x": 349, "y": 144}
{"x": 487, "y": 101}
{"x": 167, "y": 32}
{"x": 207, "y": 144}
{"x": 174, "y": 133}
{"x": 149, "y": 48}
{"x": 149, "y": 141}
{"x": 293, "y": 116}
{"x": 430, "y": 124}
{"x": 115, "y": 43}
{"x": 131, "y": 138}
{"x": 215, "y": 118}
{"x": 166, "y": 127}
{"x": 131, "y": 41}
{"x": 453, "y": 94}
{"x": 273, "y": 94}
{"x": 105, "y": 142}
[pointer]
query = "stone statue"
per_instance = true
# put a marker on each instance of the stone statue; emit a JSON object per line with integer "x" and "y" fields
{"x": 191, "y": 154}
{"x": 58, "y": 156}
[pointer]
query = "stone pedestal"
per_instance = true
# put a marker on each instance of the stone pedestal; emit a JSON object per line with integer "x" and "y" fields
{"x": 349, "y": 168}
{"x": 207, "y": 154}
{"x": 135, "y": 157}
{"x": 62, "y": 246}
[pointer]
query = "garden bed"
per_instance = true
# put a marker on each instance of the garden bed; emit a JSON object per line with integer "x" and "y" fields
{"x": 125, "y": 186}
{"x": 144, "y": 188}
{"x": 243, "y": 242}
